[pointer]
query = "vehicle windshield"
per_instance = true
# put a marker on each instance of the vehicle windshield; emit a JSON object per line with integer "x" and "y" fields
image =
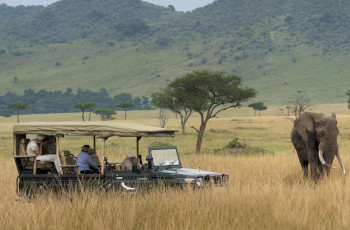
{"x": 165, "y": 157}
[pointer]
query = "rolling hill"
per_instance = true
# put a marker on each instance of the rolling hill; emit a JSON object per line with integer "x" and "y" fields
{"x": 278, "y": 47}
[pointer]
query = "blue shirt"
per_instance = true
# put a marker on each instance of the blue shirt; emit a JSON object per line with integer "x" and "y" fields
{"x": 84, "y": 161}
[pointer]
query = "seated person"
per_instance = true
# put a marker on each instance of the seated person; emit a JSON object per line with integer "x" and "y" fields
{"x": 50, "y": 146}
{"x": 94, "y": 157}
{"x": 35, "y": 148}
{"x": 128, "y": 162}
{"x": 86, "y": 164}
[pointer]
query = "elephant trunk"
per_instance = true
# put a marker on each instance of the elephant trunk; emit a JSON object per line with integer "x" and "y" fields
{"x": 320, "y": 155}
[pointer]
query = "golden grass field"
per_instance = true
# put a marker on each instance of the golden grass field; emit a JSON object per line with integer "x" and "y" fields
{"x": 265, "y": 191}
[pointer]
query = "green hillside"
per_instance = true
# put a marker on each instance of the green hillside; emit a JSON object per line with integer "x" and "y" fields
{"x": 278, "y": 47}
{"x": 8, "y": 14}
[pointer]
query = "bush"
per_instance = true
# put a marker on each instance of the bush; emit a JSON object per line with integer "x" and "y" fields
{"x": 235, "y": 147}
{"x": 235, "y": 144}
{"x": 164, "y": 41}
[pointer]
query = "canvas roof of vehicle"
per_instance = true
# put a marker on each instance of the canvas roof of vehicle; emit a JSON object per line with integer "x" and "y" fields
{"x": 98, "y": 129}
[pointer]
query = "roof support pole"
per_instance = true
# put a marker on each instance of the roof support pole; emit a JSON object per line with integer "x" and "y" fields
{"x": 103, "y": 156}
{"x": 138, "y": 148}
{"x": 58, "y": 153}
{"x": 15, "y": 145}
{"x": 94, "y": 140}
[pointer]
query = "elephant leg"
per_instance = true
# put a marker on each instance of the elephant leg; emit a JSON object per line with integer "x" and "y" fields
{"x": 313, "y": 169}
{"x": 304, "y": 166}
{"x": 300, "y": 147}
{"x": 313, "y": 161}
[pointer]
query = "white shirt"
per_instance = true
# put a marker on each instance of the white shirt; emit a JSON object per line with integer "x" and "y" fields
{"x": 31, "y": 147}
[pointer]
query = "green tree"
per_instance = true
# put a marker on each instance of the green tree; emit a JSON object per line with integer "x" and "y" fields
{"x": 167, "y": 99}
{"x": 257, "y": 106}
{"x": 125, "y": 105}
{"x": 18, "y": 106}
{"x": 209, "y": 93}
{"x": 106, "y": 114}
{"x": 84, "y": 106}
{"x": 348, "y": 93}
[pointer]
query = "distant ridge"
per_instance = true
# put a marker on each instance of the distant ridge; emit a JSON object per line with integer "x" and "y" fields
{"x": 281, "y": 48}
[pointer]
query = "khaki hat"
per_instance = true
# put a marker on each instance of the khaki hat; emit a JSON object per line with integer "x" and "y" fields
{"x": 130, "y": 156}
{"x": 39, "y": 137}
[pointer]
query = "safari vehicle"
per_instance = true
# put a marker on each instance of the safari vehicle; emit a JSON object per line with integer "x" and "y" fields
{"x": 163, "y": 163}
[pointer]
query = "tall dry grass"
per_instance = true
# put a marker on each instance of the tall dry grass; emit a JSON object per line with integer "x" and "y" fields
{"x": 264, "y": 192}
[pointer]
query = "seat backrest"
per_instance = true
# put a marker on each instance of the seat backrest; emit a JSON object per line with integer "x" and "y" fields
{"x": 23, "y": 146}
{"x": 67, "y": 159}
{"x": 118, "y": 167}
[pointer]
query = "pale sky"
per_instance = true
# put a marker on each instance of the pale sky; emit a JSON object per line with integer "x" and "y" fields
{"x": 180, "y": 5}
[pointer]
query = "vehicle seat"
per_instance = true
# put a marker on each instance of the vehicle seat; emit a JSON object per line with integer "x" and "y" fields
{"x": 118, "y": 167}
{"x": 67, "y": 159}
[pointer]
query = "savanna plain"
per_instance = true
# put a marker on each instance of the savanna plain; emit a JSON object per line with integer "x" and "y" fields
{"x": 266, "y": 189}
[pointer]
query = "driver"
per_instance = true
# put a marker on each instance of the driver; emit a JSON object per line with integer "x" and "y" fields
{"x": 86, "y": 164}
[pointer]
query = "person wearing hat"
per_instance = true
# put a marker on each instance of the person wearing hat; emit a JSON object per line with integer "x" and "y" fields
{"x": 128, "y": 162}
{"x": 85, "y": 162}
{"x": 35, "y": 148}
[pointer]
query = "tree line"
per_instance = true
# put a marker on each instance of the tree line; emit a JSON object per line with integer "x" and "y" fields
{"x": 64, "y": 101}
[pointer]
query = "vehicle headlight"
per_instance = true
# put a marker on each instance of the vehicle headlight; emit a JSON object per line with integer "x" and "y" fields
{"x": 224, "y": 177}
{"x": 190, "y": 180}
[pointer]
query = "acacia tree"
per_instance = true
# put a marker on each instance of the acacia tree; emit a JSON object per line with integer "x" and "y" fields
{"x": 18, "y": 106}
{"x": 84, "y": 106}
{"x": 106, "y": 114}
{"x": 209, "y": 93}
{"x": 257, "y": 106}
{"x": 166, "y": 99}
{"x": 295, "y": 106}
{"x": 348, "y": 93}
{"x": 125, "y": 105}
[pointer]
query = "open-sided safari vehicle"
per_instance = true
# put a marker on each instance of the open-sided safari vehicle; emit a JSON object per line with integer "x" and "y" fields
{"x": 162, "y": 166}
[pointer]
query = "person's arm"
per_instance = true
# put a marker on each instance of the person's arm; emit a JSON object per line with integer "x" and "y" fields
{"x": 40, "y": 151}
{"x": 96, "y": 167}
{"x": 37, "y": 150}
{"x": 93, "y": 164}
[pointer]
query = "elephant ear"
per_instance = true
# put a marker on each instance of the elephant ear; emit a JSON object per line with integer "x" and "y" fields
{"x": 306, "y": 125}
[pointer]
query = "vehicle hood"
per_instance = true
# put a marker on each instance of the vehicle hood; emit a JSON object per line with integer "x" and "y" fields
{"x": 187, "y": 172}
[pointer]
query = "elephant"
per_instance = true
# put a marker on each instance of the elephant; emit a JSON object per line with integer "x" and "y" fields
{"x": 314, "y": 137}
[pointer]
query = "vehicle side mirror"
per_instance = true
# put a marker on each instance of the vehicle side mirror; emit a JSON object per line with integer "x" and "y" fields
{"x": 149, "y": 160}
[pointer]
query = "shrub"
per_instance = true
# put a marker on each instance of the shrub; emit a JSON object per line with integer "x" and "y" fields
{"x": 235, "y": 147}
{"x": 235, "y": 144}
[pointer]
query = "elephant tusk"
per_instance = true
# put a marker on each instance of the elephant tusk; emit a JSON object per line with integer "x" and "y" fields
{"x": 320, "y": 155}
{"x": 340, "y": 162}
